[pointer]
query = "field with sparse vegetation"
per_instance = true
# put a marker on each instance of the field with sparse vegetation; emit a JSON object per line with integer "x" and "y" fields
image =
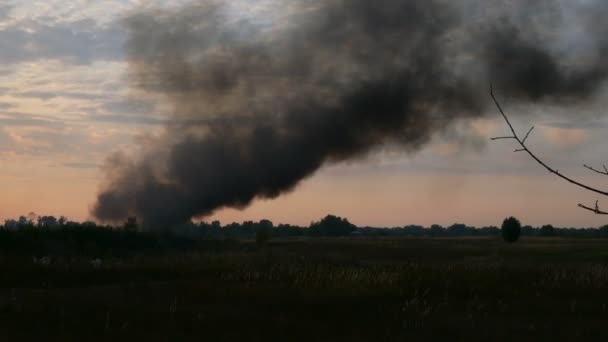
{"x": 313, "y": 289}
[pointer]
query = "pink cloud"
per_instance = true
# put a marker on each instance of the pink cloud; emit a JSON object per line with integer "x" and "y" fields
{"x": 565, "y": 136}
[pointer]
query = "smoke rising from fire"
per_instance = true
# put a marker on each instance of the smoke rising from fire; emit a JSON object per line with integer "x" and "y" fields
{"x": 259, "y": 105}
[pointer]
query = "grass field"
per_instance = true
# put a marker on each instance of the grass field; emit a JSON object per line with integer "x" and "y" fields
{"x": 341, "y": 289}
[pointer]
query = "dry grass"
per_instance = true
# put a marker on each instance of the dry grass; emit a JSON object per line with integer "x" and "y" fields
{"x": 318, "y": 290}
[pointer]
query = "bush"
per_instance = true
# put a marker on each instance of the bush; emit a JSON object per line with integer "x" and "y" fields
{"x": 511, "y": 229}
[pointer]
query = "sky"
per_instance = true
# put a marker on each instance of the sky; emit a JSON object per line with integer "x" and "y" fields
{"x": 66, "y": 104}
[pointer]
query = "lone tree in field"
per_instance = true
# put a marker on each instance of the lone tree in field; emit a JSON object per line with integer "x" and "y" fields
{"x": 511, "y": 229}
{"x": 263, "y": 232}
{"x": 524, "y": 148}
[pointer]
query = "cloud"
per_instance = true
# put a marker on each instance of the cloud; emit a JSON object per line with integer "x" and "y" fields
{"x": 5, "y": 11}
{"x": 484, "y": 127}
{"x": 81, "y": 165}
{"x": 445, "y": 149}
{"x": 28, "y": 120}
{"x": 80, "y": 42}
{"x": 580, "y": 124}
{"x": 47, "y": 95}
{"x": 6, "y": 142}
{"x": 565, "y": 136}
{"x": 129, "y": 107}
{"x": 129, "y": 119}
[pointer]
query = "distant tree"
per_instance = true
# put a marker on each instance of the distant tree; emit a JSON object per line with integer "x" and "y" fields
{"x": 332, "y": 225}
{"x": 413, "y": 230}
{"x": 603, "y": 231}
{"x": 89, "y": 225}
{"x": 212, "y": 229}
{"x": 46, "y": 221}
{"x": 511, "y": 229}
{"x": 131, "y": 224}
{"x": 437, "y": 230}
{"x": 11, "y": 224}
{"x": 489, "y": 231}
{"x": 547, "y": 230}
{"x": 24, "y": 222}
{"x": 265, "y": 224}
{"x": 457, "y": 229}
{"x": 286, "y": 230}
{"x": 528, "y": 230}
{"x": 247, "y": 228}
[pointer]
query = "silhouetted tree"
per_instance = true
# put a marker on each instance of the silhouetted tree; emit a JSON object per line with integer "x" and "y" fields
{"x": 528, "y": 230}
{"x": 457, "y": 229}
{"x": 436, "y": 230}
{"x": 488, "y": 231}
{"x": 511, "y": 229}
{"x": 332, "y": 225}
{"x": 547, "y": 230}
{"x": 47, "y": 221}
{"x": 603, "y": 231}
{"x": 265, "y": 225}
{"x": 263, "y": 232}
{"x": 11, "y": 224}
{"x": 25, "y": 222}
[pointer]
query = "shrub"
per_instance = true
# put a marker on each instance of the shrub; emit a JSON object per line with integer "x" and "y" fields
{"x": 511, "y": 229}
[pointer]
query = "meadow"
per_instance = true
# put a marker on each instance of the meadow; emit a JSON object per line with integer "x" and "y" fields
{"x": 314, "y": 289}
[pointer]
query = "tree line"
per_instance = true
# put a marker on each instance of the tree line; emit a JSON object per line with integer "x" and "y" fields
{"x": 330, "y": 225}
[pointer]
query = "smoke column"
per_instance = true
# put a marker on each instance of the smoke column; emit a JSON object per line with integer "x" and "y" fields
{"x": 260, "y": 103}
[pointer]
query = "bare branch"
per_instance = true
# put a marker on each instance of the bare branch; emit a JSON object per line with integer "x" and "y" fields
{"x": 527, "y": 135}
{"x": 498, "y": 138}
{"x": 524, "y": 148}
{"x": 502, "y": 112}
{"x": 596, "y": 210}
{"x": 597, "y": 171}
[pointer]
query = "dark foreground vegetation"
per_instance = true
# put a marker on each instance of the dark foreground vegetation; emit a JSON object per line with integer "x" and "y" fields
{"x": 70, "y": 285}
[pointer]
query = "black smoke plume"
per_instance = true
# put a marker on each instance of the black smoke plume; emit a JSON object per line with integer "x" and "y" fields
{"x": 259, "y": 103}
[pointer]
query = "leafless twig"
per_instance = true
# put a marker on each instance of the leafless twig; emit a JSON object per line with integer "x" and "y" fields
{"x": 595, "y": 210}
{"x": 524, "y": 148}
{"x": 605, "y": 172}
